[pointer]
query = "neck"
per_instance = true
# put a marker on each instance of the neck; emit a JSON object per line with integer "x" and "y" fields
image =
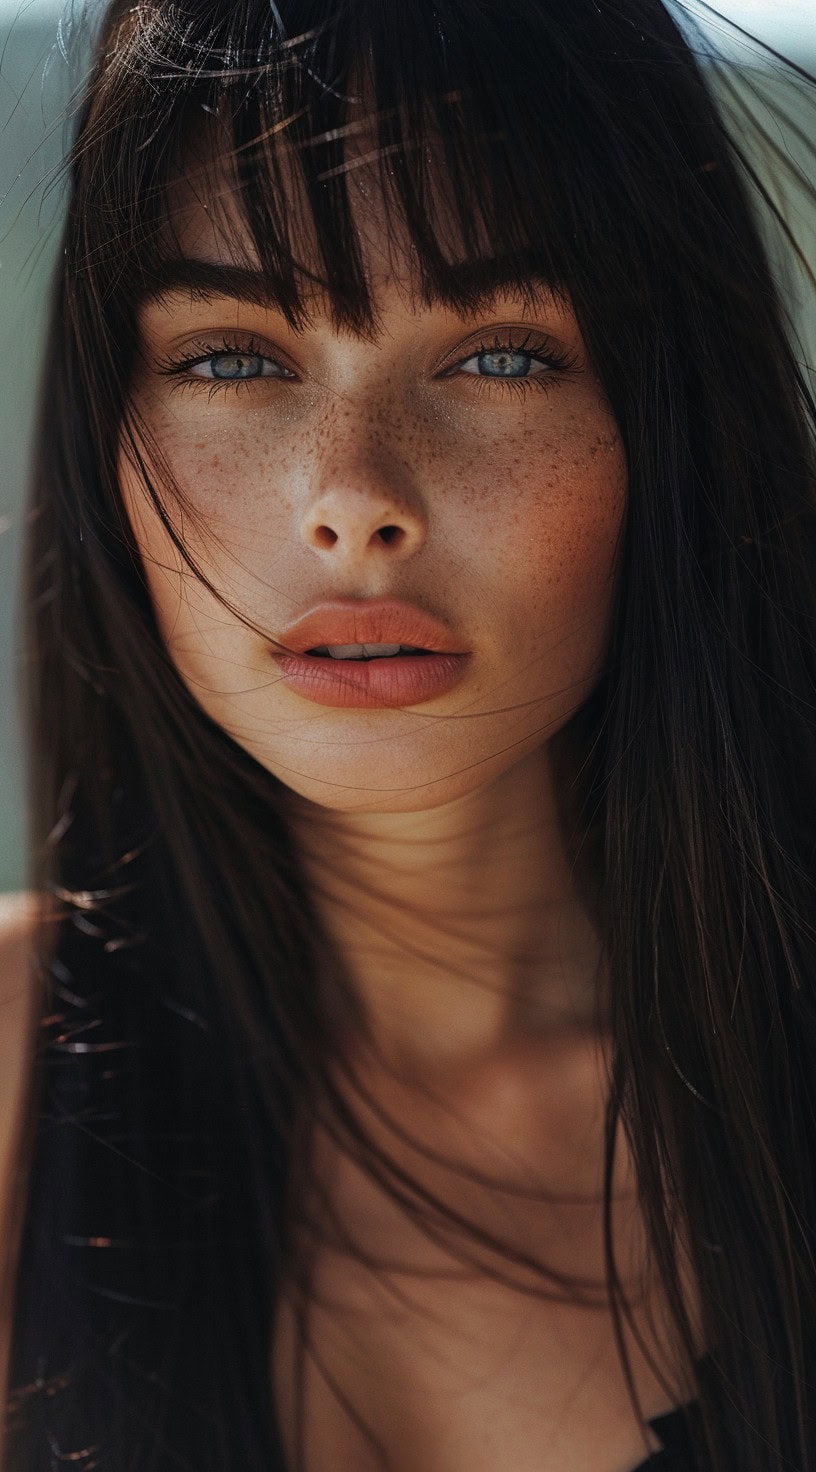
{"x": 465, "y": 927}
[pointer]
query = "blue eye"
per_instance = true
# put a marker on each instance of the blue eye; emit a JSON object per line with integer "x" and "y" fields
{"x": 500, "y": 363}
{"x": 235, "y": 366}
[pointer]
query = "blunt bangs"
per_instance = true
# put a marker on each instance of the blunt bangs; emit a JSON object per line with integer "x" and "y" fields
{"x": 276, "y": 117}
{"x": 576, "y": 145}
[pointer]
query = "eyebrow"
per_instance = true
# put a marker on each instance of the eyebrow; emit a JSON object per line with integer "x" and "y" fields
{"x": 205, "y": 280}
{"x": 480, "y": 281}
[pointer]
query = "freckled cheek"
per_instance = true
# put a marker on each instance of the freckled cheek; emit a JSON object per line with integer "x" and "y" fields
{"x": 237, "y": 480}
{"x": 233, "y": 476}
{"x": 573, "y": 561}
{"x": 545, "y": 514}
{"x": 240, "y": 524}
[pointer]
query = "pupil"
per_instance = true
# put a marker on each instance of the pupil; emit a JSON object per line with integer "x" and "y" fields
{"x": 504, "y": 364}
{"x": 237, "y": 365}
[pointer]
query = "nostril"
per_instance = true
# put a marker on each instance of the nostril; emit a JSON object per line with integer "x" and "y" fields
{"x": 325, "y": 537}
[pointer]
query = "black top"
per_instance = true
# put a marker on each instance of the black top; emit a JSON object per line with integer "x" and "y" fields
{"x": 677, "y": 1453}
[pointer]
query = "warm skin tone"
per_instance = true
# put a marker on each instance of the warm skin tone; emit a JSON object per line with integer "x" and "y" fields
{"x": 440, "y": 838}
{"x": 508, "y": 497}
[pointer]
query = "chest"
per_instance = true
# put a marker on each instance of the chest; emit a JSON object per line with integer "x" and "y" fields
{"x": 453, "y": 1378}
{"x": 450, "y": 1368}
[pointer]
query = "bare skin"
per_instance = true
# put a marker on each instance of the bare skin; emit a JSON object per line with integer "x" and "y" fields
{"x": 435, "y": 834}
{"x": 449, "y": 1368}
{"x": 17, "y": 918}
{"x": 437, "y": 837}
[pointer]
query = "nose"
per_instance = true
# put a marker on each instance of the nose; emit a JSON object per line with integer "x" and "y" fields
{"x": 364, "y": 507}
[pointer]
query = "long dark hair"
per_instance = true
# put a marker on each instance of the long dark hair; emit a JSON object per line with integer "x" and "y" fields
{"x": 185, "y": 989}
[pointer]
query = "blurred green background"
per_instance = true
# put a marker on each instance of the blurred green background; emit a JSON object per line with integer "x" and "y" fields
{"x": 36, "y": 85}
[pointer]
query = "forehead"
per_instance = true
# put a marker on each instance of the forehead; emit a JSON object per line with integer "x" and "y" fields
{"x": 210, "y": 221}
{"x": 224, "y": 192}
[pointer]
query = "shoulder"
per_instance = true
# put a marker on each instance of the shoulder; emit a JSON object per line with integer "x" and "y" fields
{"x": 18, "y": 915}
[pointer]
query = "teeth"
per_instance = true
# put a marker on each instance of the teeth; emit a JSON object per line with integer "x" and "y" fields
{"x": 361, "y": 651}
{"x": 364, "y": 651}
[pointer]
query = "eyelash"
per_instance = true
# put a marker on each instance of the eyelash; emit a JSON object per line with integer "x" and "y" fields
{"x": 563, "y": 364}
{"x": 179, "y": 367}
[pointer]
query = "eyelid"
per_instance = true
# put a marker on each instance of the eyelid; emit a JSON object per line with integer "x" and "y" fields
{"x": 532, "y": 340}
{"x": 190, "y": 354}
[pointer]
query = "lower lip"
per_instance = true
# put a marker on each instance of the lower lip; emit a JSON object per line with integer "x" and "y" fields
{"x": 404, "y": 679}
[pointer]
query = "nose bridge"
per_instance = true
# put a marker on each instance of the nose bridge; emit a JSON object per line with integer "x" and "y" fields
{"x": 364, "y": 498}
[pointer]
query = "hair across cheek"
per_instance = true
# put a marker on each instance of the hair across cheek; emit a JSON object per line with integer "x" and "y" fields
{"x": 522, "y": 516}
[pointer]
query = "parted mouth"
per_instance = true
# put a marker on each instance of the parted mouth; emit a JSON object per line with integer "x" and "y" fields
{"x": 364, "y": 651}
{"x": 371, "y": 629}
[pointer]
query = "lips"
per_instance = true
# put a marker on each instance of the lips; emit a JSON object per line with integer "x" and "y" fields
{"x": 375, "y": 621}
{"x": 405, "y": 679}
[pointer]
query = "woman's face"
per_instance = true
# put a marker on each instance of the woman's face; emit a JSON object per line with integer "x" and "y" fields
{"x": 502, "y": 472}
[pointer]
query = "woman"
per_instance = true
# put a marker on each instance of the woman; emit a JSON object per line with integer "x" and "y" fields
{"x": 420, "y": 629}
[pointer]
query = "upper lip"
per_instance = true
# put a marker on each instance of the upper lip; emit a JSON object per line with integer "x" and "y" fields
{"x": 375, "y": 621}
